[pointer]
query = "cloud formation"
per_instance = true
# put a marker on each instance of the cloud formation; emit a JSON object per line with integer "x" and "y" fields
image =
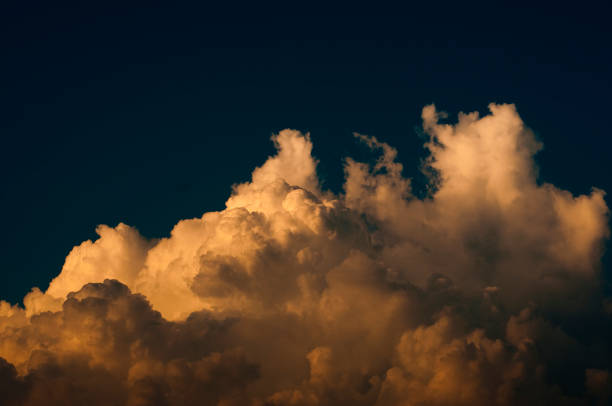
{"x": 485, "y": 292}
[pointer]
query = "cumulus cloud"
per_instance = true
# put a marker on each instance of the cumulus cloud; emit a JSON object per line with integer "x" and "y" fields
{"x": 487, "y": 291}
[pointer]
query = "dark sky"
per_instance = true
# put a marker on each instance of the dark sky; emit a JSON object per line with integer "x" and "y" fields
{"x": 147, "y": 114}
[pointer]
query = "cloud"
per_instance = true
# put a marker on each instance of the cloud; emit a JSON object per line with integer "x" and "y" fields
{"x": 487, "y": 291}
{"x": 108, "y": 346}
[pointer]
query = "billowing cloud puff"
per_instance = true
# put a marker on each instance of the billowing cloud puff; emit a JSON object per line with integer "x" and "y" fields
{"x": 485, "y": 292}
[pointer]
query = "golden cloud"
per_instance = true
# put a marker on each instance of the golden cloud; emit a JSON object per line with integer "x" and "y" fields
{"x": 293, "y": 295}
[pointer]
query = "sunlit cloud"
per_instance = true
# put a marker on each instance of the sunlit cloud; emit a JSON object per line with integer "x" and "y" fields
{"x": 294, "y": 295}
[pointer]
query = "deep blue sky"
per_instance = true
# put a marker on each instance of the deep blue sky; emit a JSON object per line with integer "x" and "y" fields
{"x": 147, "y": 114}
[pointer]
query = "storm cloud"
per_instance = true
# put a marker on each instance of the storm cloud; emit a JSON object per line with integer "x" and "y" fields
{"x": 487, "y": 291}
